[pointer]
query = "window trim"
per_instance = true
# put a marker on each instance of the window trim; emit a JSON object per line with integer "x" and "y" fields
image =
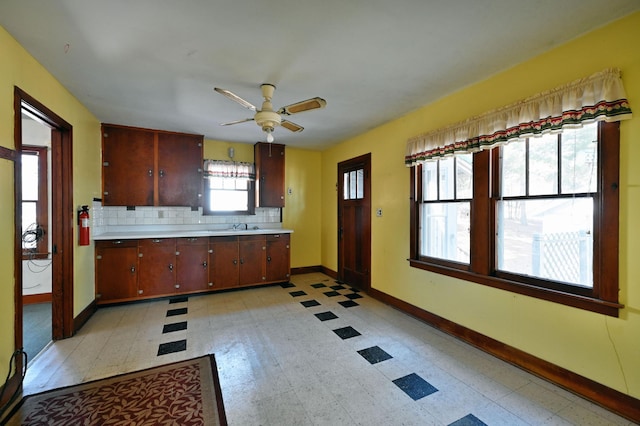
{"x": 42, "y": 203}
{"x": 251, "y": 208}
{"x": 603, "y": 298}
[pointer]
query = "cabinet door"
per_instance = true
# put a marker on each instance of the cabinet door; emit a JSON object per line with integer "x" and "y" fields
{"x": 179, "y": 169}
{"x": 157, "y": 267}
{"x": 224, "y": 262}
{"x": 116, "y": 270}
{"x": 192, "y": 259}
{"x": 252, "y": 251}
{"x": 269, "y": 158}
{"x": 127, "y": 166}
{"x": 278, "y": 257}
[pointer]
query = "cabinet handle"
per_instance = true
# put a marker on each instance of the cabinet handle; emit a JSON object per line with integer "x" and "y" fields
{"x": 156, "y": 241}
{"x": 268, "y": 258}
{"x": 204, "y": 264}
{"x": 192, "y": 239}
{"x": 150, "y": 172}
{"x": 161, "y": 173}
{"x": 171, "y": 267}
{"x": 177, "y": 286}
{"x": 235, "y": 261}
{"x": 210, "y": 284}
{"x": 133, "y": 269}
{"x": 140, "y": 291}
{"x": 116, "y": 242}
{"x": 242, "y": 261}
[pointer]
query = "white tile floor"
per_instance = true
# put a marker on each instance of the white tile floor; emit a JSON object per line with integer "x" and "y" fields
{"x": 280, "y": 365}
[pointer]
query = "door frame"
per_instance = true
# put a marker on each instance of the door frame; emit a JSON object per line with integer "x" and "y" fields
{"x": 62, "y": 216}
{"x": 363, "y": 161}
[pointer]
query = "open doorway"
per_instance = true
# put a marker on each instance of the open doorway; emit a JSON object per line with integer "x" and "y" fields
{"x": 44, "y": 223}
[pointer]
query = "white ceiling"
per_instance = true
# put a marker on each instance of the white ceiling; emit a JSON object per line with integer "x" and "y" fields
{"x": 154, "y": 63}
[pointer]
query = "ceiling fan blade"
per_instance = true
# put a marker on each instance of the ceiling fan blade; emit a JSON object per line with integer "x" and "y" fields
{"x": 236, "y": 122}
{"x": 309, "y": 104}
{"x": 291, "y": 126}
{"x": 235, "y": 98}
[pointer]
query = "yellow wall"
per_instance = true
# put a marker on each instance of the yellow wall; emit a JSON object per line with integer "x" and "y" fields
{"x": 602, "y": 348}
{"x": 18, "y": 68}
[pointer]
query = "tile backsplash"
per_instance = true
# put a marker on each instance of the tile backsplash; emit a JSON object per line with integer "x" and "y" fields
{"x": 105, "y": 219}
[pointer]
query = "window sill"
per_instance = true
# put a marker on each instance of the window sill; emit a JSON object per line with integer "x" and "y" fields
{"x": 581, "y": 302}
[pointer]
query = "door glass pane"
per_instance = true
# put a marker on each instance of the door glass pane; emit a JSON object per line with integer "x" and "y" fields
{"x": 580, "y": 159}
{"x": 464, "y": 176}
{"x": 345, "y": 188}
{"x": 549, "y": 239}
{"x": 445, "y": 231}
{"x": 446, "y": 179}
{"x": 513, "y": 178}
{"x": 543, "y": 165}
{"x": 360, "y": 183}
{"x": 352, "y": 184}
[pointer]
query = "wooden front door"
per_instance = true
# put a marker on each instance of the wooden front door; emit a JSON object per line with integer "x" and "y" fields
{"x": 354, "y": 221}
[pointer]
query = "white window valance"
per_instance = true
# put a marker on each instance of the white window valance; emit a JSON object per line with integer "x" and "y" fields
{"x": 595, "y": 98}
{"x": 229, "y": 169}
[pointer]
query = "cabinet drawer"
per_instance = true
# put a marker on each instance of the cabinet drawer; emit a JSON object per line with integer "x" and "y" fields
{"x": 116, "y": 243}
{"x": 157, "y": 242}
{"x": 193, "y": 241}
{"x": 277, "y": 237}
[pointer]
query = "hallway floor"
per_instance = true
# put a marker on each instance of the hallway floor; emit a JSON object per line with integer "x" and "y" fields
{"x": 314, "y": 353}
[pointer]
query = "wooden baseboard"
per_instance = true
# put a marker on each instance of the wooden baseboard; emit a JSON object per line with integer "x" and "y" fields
{"x": 609, "y": 398}
{"x": 306, "y": 270}
{"x": 30, "y": 299}
{"x": 84, "y": 316}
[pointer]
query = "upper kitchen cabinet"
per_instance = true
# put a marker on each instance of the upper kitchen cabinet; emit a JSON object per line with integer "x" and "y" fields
{"x": 269, "y": 158}
{"x": 143, "y": 167}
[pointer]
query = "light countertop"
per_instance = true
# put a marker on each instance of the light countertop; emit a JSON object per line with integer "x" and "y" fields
{"x": 136, "y": 235}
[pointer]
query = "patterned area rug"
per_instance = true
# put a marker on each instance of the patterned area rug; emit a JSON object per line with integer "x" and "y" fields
{"x": 181, "y": 393}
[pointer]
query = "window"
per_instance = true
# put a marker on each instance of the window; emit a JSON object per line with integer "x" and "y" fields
{"x": 445, "y": 208}
{"x": 229, "y": 188}
{"x": 34, "y": 203}
{"x": 353, "y": 184}
{"x": 542, "y": 215}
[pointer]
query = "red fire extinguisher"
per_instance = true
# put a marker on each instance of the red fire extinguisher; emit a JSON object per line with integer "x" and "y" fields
{"x": 83, "y": 223}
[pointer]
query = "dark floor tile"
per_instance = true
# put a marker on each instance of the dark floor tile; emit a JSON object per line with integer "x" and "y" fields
{"x": 174, "y": 312}
{"x": 178, "y": 300}
{"x": 298, "y": 293}
{"x": 415, "y": 386}
{"x": 348, "y": 303}
{"x": 337, "y": 287}
{"x": 331, "y": 293}
{"x": 355, "y": 290}
{"x": 353, "y": 296}
{"x": 318, "y": 285}
{"x": 346, "y": 332}
{"x": 468, "y": 420}
{"x": 287, "y": 285}
{"x": 171, "y": 347}
{"x": 325, "y": 316}
{"x": 310, "y": 303}
{"x": 176, "y": 326}
{"x": 374, "y": 354}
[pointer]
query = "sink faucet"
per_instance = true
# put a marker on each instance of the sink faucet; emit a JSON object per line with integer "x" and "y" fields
{"x": 240, "y": 225}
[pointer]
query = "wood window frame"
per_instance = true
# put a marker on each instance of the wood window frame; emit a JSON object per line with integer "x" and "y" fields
{"x": 251, "y": 207}
{"x": 602, "y": 298}
{"x": 42, "y": 203}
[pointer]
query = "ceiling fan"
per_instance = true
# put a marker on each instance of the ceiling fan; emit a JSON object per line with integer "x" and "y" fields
{"x": 266, "y": 117}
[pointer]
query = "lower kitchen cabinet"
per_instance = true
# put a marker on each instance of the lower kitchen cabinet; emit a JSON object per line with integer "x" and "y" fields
{"x": 157, "y": 267}
{"x": 116, "y": 270}
{"x": 129, "y": 270}
{"x": 192, "y": 259}
{"x": 278, "y": 266}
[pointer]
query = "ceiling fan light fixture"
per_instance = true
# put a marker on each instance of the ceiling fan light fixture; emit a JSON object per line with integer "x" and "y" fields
{"x": 269, "y": 134}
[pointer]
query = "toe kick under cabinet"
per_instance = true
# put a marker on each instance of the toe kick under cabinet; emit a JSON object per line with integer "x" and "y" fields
{"x": 128, "y": 270}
